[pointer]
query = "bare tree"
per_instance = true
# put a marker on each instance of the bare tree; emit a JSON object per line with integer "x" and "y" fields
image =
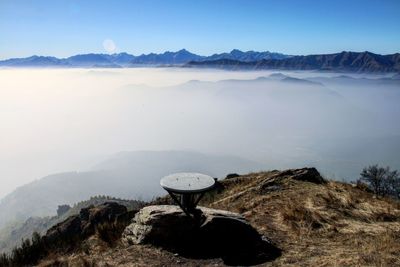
{"x": 381, "y": 180}
{"x": 393, "y": 184}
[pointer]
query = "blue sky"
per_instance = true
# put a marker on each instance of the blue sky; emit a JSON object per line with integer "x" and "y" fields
{"x": 67, "y": 27}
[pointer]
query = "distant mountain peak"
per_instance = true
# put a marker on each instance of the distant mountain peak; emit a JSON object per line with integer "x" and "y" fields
{"x": 236, "y": 51}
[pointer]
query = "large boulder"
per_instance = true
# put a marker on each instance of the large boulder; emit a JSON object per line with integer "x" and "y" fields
{"x": 216, "y": 233}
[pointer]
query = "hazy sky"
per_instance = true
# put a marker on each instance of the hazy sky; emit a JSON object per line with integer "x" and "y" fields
{"x": 63, "y": 28}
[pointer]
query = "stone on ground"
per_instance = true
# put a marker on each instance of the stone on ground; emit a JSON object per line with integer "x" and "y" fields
{"x": 218, "y": 233}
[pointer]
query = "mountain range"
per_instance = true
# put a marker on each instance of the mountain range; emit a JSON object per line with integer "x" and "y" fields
{"x": 127, "y": 60}
{"x": 234, "y": 60}
{"x": 344, "y": 61}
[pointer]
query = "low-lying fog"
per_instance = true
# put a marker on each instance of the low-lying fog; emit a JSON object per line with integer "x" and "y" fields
{"x": 55, "y": 120}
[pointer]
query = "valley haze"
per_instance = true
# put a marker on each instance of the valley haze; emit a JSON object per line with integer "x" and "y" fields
{"x": 62, "y": 120}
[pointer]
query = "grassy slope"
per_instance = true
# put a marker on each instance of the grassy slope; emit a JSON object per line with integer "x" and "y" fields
{"x": 333, "y": 223}
{"x": 314, "y": 224}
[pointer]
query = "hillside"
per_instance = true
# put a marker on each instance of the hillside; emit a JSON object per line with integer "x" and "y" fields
{"x": 313, "y": 221}
{"x": 12, "y": 235}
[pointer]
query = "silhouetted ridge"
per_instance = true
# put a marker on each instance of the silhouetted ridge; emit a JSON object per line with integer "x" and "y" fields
{"x": 344, "y": 61}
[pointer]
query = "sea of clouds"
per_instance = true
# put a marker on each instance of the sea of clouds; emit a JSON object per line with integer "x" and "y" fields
{"x": 55, "y": 120}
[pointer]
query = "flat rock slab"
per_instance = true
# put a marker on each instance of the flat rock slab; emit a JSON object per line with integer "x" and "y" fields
{"x": 219, "y": 233}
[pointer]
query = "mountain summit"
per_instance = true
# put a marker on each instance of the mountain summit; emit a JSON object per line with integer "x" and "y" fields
{"x": 247, "y": 56}
{"x": 290, "y": 217}
{"x": 179, "y": 57}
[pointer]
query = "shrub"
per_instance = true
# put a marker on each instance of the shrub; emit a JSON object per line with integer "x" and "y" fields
{"x": 29, "y": 252}
{"x": 382, "y": 181}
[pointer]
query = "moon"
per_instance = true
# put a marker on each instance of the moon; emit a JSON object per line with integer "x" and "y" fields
{"x": 109, "y": 45}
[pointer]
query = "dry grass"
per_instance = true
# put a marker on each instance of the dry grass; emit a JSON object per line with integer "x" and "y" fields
{"x": 110, "y": 232}
{"x": 332, "y": 224}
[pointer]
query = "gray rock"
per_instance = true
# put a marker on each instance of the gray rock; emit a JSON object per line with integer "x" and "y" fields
{"x": 165, "y": 223}
{"x": 216, "y": 233}
{"x": 305, "y": 175}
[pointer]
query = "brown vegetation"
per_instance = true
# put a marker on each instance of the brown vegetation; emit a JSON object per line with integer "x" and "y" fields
{"x": 318, "y": 224}
{"x": 315, "y": 222}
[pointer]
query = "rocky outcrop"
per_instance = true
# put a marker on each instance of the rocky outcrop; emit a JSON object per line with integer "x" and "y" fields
{"x": 232, "y": 175}
{"x": 217, "y": 233}
{"x": 81, "y": 226}
{"x": 275, "y": 182}
{"x": 305, "y": 174}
